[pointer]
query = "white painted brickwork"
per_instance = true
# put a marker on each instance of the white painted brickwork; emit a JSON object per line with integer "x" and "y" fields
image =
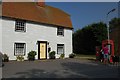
{"x": 34, "y": 33}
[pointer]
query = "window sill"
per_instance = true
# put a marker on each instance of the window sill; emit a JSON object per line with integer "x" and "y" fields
{"x": 20, "y": 31}
{"x": 61, "y": 35}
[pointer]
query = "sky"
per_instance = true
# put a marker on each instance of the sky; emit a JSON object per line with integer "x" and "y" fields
{"x": 85, "y": 13}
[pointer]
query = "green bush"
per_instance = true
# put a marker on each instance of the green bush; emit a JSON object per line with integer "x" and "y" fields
{"x": 72, "y": 55}
{"x": 52, "y": 55}
{"x": 31, "y": 55}
{"x": 62, "y": 56}
{"x": 5, "y": 58}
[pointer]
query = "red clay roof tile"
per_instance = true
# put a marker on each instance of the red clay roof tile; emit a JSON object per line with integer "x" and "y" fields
{"x": 32, "y": 12}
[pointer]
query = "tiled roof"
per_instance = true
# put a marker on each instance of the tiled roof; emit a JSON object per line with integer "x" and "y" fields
{"x": 32, "y": 12}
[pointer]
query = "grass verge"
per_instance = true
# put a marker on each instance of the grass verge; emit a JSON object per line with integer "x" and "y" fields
{"x": 81, "y": 56}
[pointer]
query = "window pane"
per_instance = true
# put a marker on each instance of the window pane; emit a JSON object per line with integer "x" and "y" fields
{"x": 60, "y": 48}
{"x": 20, "y": 25}
{"x": 60, "y": 31}
{"x": 19, "y": 48}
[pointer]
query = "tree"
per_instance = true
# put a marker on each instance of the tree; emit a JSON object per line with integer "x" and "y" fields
{"x": 114, "y": 23}
{"x": 85, "y": 39}
{"x": 100, "y": 32}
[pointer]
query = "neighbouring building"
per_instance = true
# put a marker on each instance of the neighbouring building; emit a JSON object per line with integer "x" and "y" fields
{"x": 114, "y": 35}
{"x": 35, "y": 26}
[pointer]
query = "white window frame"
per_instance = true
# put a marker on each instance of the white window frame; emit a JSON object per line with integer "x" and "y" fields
{"x": 60, "y": 31}
{"x": 20, "y": 26}
{"x": 16, "y": 51}
{"x": 60, "y": 46}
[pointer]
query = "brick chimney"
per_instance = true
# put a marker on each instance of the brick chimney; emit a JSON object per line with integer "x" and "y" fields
{"x": 41, "y": 3}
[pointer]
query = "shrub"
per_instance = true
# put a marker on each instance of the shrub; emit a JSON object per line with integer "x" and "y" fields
{"x": 52, "y": 55}
{"x": 20, "y": 58}
{"x": 62, "y": 56}
{"x": 5, "y": 58}
{"x": 72, "y": 55}
{"x": 31, "y": 55}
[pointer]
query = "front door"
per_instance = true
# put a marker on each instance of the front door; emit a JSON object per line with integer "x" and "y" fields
{"x": 42, "y": 50}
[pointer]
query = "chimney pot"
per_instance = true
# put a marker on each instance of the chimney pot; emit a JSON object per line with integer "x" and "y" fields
{"x": 41, "y": 3}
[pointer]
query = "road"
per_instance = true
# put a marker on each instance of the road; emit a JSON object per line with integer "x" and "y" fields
{"x": 60, "y": 68}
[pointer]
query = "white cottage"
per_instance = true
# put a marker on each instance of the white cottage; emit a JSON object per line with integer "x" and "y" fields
{"x": 35, "y": 26}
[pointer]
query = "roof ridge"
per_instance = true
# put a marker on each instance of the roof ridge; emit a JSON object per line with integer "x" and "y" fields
{"x": 60, "y": 10}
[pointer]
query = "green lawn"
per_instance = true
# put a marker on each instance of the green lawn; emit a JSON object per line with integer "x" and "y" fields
{"x": 85, "y": 56}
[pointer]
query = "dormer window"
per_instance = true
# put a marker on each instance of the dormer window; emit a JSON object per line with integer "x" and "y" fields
{"x": 20, "y": 26}
{"x": 60, "y": 31}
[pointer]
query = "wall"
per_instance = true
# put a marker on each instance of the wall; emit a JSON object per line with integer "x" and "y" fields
{"x": 114, "y": 35}
{"x": 34, "y": 33}
{"x": 0, "y": 34}
{"x": 0, "y": 41}
{"x": 0, "y": 27}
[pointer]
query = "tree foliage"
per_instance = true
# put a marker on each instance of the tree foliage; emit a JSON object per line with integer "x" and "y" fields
{"x": 114, "y": 23}
{"x": 85, "y": 39}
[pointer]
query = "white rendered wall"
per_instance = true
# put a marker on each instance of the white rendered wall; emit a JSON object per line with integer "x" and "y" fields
{"x": 0, "y": 48}
{"x": 0, "y": 41}
{"x": 0, "y": 34}
{"x": 34, "y": 33}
